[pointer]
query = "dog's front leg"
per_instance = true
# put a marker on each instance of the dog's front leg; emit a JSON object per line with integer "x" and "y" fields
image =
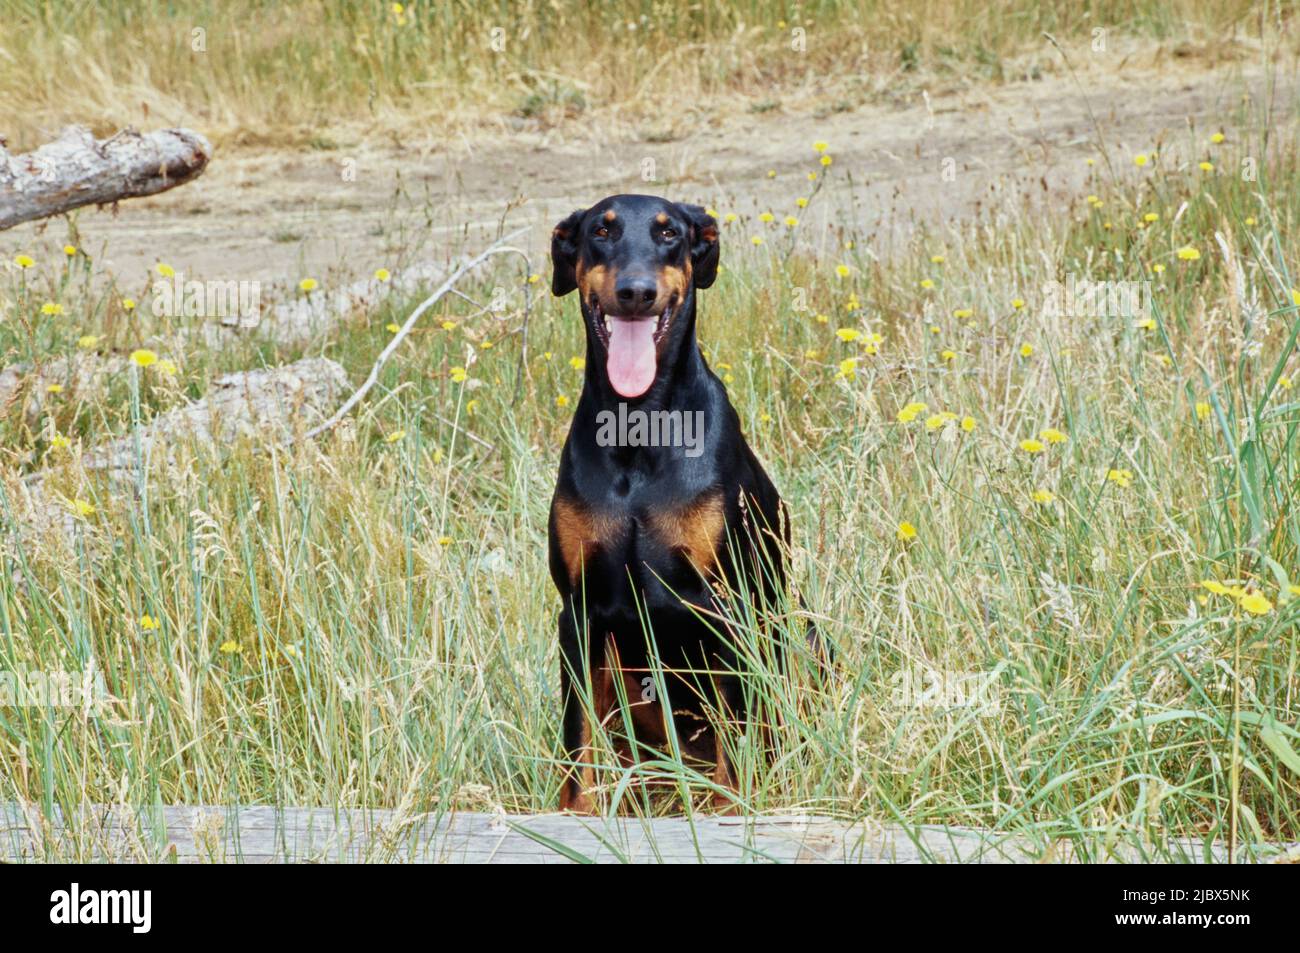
{"x": 576, "y": 666}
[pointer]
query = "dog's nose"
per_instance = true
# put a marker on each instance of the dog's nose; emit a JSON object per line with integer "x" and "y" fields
{"x": 636, "y": 293}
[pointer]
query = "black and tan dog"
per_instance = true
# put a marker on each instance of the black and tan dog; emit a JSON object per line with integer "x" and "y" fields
{"x": 645, "y": 539}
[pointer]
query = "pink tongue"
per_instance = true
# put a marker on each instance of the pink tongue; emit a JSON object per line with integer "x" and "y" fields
{"x": 631, "y": 364}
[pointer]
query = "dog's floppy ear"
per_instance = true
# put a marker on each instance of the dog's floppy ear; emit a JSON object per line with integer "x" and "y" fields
{"x": 704, "y": 244}
{"x": 564, "y": 254}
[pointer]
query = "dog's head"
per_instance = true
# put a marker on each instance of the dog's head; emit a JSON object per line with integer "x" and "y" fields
{"x": 636, "y": 261}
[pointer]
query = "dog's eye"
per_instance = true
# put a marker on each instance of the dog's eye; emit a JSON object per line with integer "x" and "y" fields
{"x": 602, "y": 232}
{"x": 669, "y": 234}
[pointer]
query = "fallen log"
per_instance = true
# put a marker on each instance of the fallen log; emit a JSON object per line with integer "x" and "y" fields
{"x": 264, "y": 401}
{"x": 77, "y": 169}
{"x": 249, "y": 834}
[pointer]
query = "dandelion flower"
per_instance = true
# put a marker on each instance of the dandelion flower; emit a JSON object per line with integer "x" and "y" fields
{"x": 766, "y": 217}
{"x": 801, "y": 202}
{"x": 561, "y": 401}
{"x": 24, "y": 261}
{"x": 1017, "y": 303}
{"x": 1218, "y": 588}
{"x": 1202, "y": 410}
{"x": 60, "y": 442}
{"x": 934, "y": 422}
{"x": 395, "y": 436}
{"x": 1151, "y": 217}
{"x": 906, "y": 531}
{"x": 948, "y": 355}
{"x": 963, "y": 313}
{"x": 82, "y": 508}
{"x": 848, "y": 368}
{"x": 1140, "y": 159}
{"x": 791, "y": 221}
{"x": 87, "y": 341}
{"x": 1026, "y": 350}
{"x": 1188, "y": 253}
{"x": 307, "y": 284}
{"x": 821, "y": 146}
{"x": 54, "y": 389}
{"x": 70, "y": 250}
{"x": 148, "y": 623}
{"x": 1052, "y": 435}
{"x": 167, "y": 271}
{"x": 578, "y": 363}
{"x": 51, "y": 309}
{"x": 1044, "y": 496}
{"x": 392, "y": 327}
{"x": 459, "y": 375}
{"x": 1255, "y": 603}
{"x": 848, "y": 334}
{"x": 167, "y": 367}
{"x": 448, "y": 325}
{"x": 729, "y": 218}
{"x": 1121, "y": 478}
{"x": 1250, "y": 220}
{"x": 230, "y": 647}
{"x": 911, "y": 411}
{"x": 757, "y": 239}
{"x": 1158, "y": 269}
{"x": 968, "y": 424}
{"x": 382, "y": 274}
{"x": 927, "y": 284}
{"x": 128, "y": 304}
{"x": 936, "y": 259}
{"x": 842, "y": 270}
{"x": 1032, "y": 446}
{"x": 143, "y": 357}
{"x": 826, "y": 160}
{"x": 1207, "y": 166}
{"x": 1217, "y": 138}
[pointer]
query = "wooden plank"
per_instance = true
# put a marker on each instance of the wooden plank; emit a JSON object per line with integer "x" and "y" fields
{"x": 285, "y": 835}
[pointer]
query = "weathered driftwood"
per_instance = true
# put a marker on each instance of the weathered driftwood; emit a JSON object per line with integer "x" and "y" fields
{"x": 297, "y": 834}
{"x": 23, "y": 387}
{"x": 265, "y": 401}
{"x": 76, "y": 169}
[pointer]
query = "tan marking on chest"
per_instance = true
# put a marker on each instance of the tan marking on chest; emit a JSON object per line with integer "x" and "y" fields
{"x": 696, "y": 530}
{"x": 580, "y": 532}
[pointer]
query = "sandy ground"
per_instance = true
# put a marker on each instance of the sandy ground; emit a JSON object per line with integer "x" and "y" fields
{"x": 277, "y": 216}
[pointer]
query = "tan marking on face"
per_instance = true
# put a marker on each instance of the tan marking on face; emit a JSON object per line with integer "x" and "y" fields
{"x": 580, "y": 532}
{"x": 695, "y": 530}
{"x": 673, "y": 280}
{"x": 611, "y": 215}
{"x": 661, "y": 218}
{"x": 598, "y": 280}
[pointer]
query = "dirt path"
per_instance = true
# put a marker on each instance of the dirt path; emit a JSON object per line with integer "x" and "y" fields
{"x": 276, "y": 216}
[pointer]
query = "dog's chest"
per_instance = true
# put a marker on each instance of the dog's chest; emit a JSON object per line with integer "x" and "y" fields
{"x": 641, "y": 540}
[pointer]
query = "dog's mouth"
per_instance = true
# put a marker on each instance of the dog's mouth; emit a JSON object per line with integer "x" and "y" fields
{"x": 631, "y": 346}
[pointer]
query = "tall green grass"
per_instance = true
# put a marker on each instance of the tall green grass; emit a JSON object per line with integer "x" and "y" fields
{"x": 367, "y": 620}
